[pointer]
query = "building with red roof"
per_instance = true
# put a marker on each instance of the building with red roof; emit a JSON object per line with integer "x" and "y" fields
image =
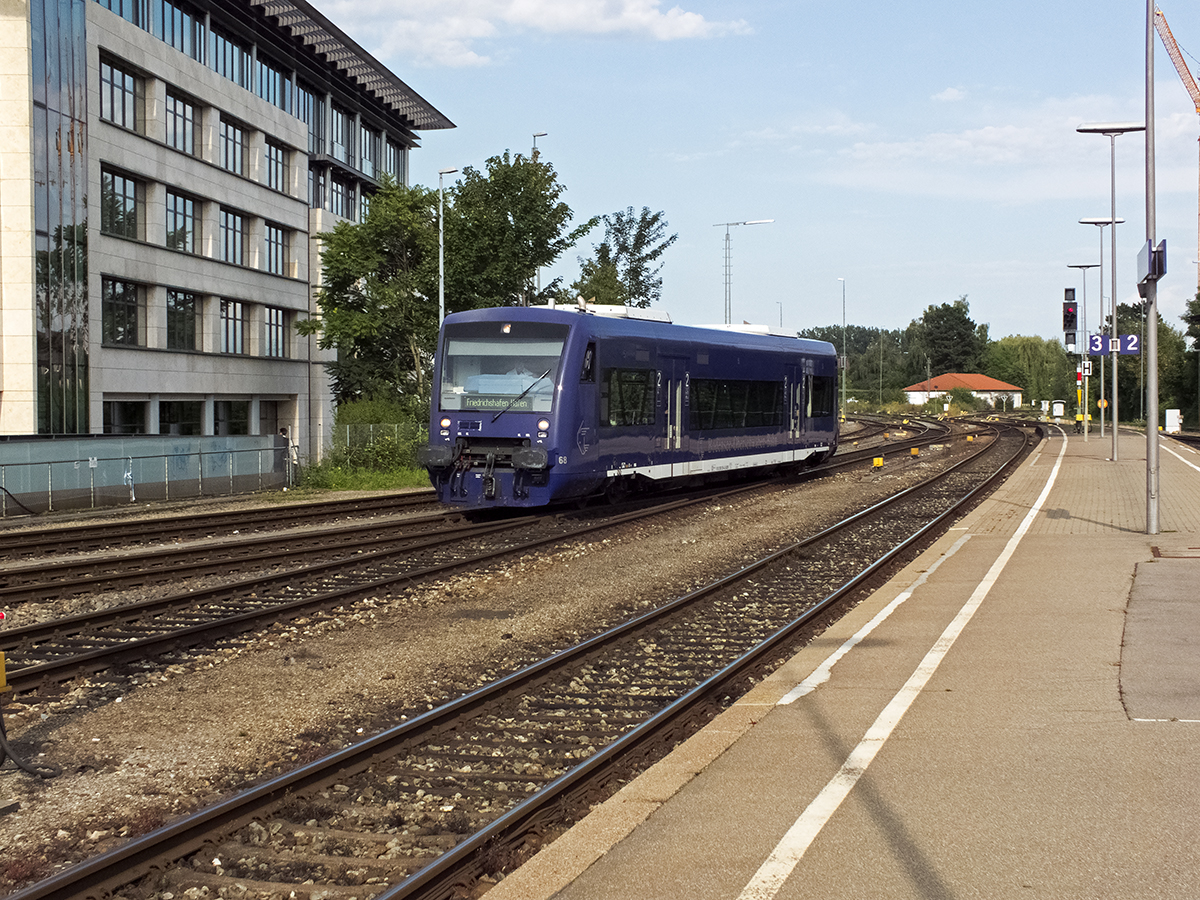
{"x": 990, "y": 389}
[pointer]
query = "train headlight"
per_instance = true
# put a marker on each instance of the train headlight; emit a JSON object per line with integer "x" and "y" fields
{"x": 445, "y": 423}
{"x": 543, "y": 424}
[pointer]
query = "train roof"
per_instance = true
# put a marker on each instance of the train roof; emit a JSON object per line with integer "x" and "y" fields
{"x": 649, "y": 321}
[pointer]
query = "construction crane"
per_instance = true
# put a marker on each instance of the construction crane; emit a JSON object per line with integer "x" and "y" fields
{"x": 1168, "y": 39}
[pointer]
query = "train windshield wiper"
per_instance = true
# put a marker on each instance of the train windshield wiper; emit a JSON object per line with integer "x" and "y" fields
{"x": 520, "y": 395}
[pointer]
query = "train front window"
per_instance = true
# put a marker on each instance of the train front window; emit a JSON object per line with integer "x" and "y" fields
{"x": 487, "y": 365}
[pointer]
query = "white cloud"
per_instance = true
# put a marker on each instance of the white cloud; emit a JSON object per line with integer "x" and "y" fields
{"x": 448, "y": 32}
{"x": 950, "y": 95}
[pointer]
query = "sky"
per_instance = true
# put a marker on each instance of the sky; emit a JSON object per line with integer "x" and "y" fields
{"x": 921, "y": 152}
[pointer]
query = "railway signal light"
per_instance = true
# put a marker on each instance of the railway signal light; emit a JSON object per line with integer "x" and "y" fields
{"x": 1070, "y": 311}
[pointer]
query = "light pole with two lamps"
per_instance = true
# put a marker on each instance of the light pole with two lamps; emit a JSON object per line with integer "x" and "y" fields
{"x": 1111, "y": 130}
{"x": 729, "y": 260}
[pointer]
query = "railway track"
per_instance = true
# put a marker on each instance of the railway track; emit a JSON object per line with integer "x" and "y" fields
{"x": 429, "y": 806}
{"x": 377, "y": 559}
{"x": 415, "y": 550}
{"x": 28, "y": 542}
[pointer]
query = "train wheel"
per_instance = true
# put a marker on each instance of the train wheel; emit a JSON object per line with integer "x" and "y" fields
{"x": 617, "y": 490}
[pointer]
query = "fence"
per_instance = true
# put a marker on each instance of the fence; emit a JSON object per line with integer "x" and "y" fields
{"x": 384, "y": 446}
{"x": 88, "y": 472}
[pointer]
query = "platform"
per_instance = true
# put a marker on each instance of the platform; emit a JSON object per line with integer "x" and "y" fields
{"x": 1016, "y": 714}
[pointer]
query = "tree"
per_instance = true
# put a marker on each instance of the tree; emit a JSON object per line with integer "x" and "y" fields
{"x": 1038, "y": 366}
{"x": 633, "y": 243}
{"x": 501, "y": 229}
{"x": 1192, "y": 317}
{"x": 953, "y": 342}
{"x": 600, "y": 281}
{"x": 378, "y": 298}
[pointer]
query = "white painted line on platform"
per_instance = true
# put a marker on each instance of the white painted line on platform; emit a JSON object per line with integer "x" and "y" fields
{"x": 1184, "y": 721}
{"x": 790, "y": 850}
{"x": 822, "y": 673}
{"x": 1180, "y": 458}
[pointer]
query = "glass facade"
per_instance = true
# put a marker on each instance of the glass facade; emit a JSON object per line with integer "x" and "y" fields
{"x": 59, "y": 61}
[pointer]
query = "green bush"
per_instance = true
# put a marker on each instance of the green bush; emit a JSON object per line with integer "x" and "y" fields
{"x": 374, "y": 447}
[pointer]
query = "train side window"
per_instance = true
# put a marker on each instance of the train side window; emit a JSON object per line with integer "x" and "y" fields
{"x": 719, "y": 403}
{"x": 588, "y": 373}
{"x": 627, "y": 397}
{"x": 822, "y": 397}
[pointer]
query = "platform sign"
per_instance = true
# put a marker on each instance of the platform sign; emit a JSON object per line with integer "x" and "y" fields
{"x": 1126, "y": 343}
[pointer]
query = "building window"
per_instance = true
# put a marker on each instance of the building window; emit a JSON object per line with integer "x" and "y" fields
{"x": 233, "y": 148}
{"x": 182, "y": 309}
{"x": 120, "y": 205}
{"x": 368, "y": 145}
{"x": 181, "y": 222}
{"x": 392, "y": 161}
{"x": 181, "y": 124}
{"x": 130, "y": 10}
{"x": 276, "y": 240}
{"x": 341, "y": 135}
{"x": 231, "y": 417}
{"x": 310, "y": 109}
{"x": 364, "y": 205}
{"x": 272, "y": 84}
{"x": 122, "y": 417}
{"x": 341, "y": 198}
{"x": 179, "y": 27}
{"x": 231, "y": 59}
{"x": 233, "y": 326}
{"x": 180, "y": 417}
{"x": 120, "y": 95}
{"x": 276, "y": 159}
{"x": 316, "y": 189}
{"x": 233, "y": 237}
{"x": 275, "y": 336}
{"x": 123, "y": 310}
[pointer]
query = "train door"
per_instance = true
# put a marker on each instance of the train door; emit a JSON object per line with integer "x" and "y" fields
{"x": 794, "y": 397}
{"x": 675, "y": 401}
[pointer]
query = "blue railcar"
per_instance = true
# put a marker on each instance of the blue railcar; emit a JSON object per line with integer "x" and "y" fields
{"x": 540, "y": 405}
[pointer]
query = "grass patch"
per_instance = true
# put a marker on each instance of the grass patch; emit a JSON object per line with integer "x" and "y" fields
{"x": 332, "y": 476}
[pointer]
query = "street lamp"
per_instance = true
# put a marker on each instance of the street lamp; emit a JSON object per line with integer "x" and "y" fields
{"x": 1111, "y": 130}
{"x": 1083, "y": 326}
{"x": 729, "y": 259}
{"x": 845, "y": 359}
{"x": 536, "y": 135}
{"x": 442, "y": 248}
{"x": 1100, "y": 223}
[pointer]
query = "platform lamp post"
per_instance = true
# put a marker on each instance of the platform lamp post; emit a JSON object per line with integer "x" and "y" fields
{"x": 442, "y": 247}
{"x": 845, "y": 358}
{"x": 1150, "y": 291}
{"x": 1083, "y": 327}
{"x": 1111, "y": 130}
{"x": 1100, "y": 223}
{"x": 729, "y": 260}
